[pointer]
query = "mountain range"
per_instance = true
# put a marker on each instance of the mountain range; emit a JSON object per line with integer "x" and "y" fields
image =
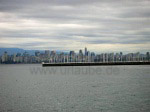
{"x": 11, "y": 51}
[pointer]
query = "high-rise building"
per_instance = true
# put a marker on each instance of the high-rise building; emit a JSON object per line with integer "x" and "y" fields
{"x": 53, "y": 56}
{"x": 14, "y": 58}
{"x": 106, "y": 57}
{"x": 121, "y": 56}
{"x": 92, "y": 56}
{"x": 147, "y": 56}
{"x": 117, "y": 57}
{"x": 37, "y": 53}
{"x": 0, "y": 59}
{"x": 88, "y": 56}
{"x": 137, "y": 55}
{"x": 47, "y": 53}
{"x": 111, "y": 57}
{"x": 80, "y": 57}
{"x": 72, "y": 56}
{"x": 5, "y": 57}
{"x": 85, "y": 51}
{"x": 103, "y": 57}
{"x": 80, "y": 51}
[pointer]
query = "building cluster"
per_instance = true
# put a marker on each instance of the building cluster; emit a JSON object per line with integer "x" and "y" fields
{"x": 72, "y": 56}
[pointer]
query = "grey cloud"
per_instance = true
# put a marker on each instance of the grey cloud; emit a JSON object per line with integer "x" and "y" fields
{"x": 97, "y": 21}
{"x": 119, "y": 41}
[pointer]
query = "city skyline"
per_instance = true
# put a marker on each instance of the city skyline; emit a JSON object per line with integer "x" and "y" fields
{"x": 72, "y": 56}
{"x": 31, "y": 52}
{"x": 106, "y": 25}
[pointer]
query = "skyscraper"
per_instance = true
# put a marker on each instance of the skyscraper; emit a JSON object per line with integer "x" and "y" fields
{"x": 147, "y": 56}
{"x": 72, "y": 56}
{"x": 5, "y": 57}
{"x": 85, "y": 51}
{"x": 80, "y": 58}
{"x": 47, "y": 53}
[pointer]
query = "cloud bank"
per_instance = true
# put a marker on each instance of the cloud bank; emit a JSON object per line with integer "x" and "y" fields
{"x": 100, "y": 25}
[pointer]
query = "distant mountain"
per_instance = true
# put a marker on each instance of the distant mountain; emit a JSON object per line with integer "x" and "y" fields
{"x": 11, "y": 51}
{"x": 16, "y": 50}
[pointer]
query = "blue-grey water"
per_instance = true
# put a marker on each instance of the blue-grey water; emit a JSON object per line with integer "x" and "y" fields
{"x": 32, "y": 88}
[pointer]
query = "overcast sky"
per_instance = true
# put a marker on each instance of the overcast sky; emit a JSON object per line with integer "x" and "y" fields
{"x": 100, "y": 25}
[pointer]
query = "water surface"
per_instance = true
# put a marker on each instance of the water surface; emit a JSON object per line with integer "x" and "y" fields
{"x": 31, "y": 88}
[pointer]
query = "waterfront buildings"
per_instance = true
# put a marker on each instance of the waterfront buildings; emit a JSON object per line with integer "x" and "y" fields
{"x": 65, "y": 57}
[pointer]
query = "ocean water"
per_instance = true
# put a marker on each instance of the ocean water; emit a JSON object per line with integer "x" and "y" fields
{"x": 32, "y": 88}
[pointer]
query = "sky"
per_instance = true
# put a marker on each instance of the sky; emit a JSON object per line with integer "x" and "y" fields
{"x": 99, "y": 25}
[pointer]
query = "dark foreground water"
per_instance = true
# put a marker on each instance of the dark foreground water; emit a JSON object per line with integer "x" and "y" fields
{"x": 31, "y": 88}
